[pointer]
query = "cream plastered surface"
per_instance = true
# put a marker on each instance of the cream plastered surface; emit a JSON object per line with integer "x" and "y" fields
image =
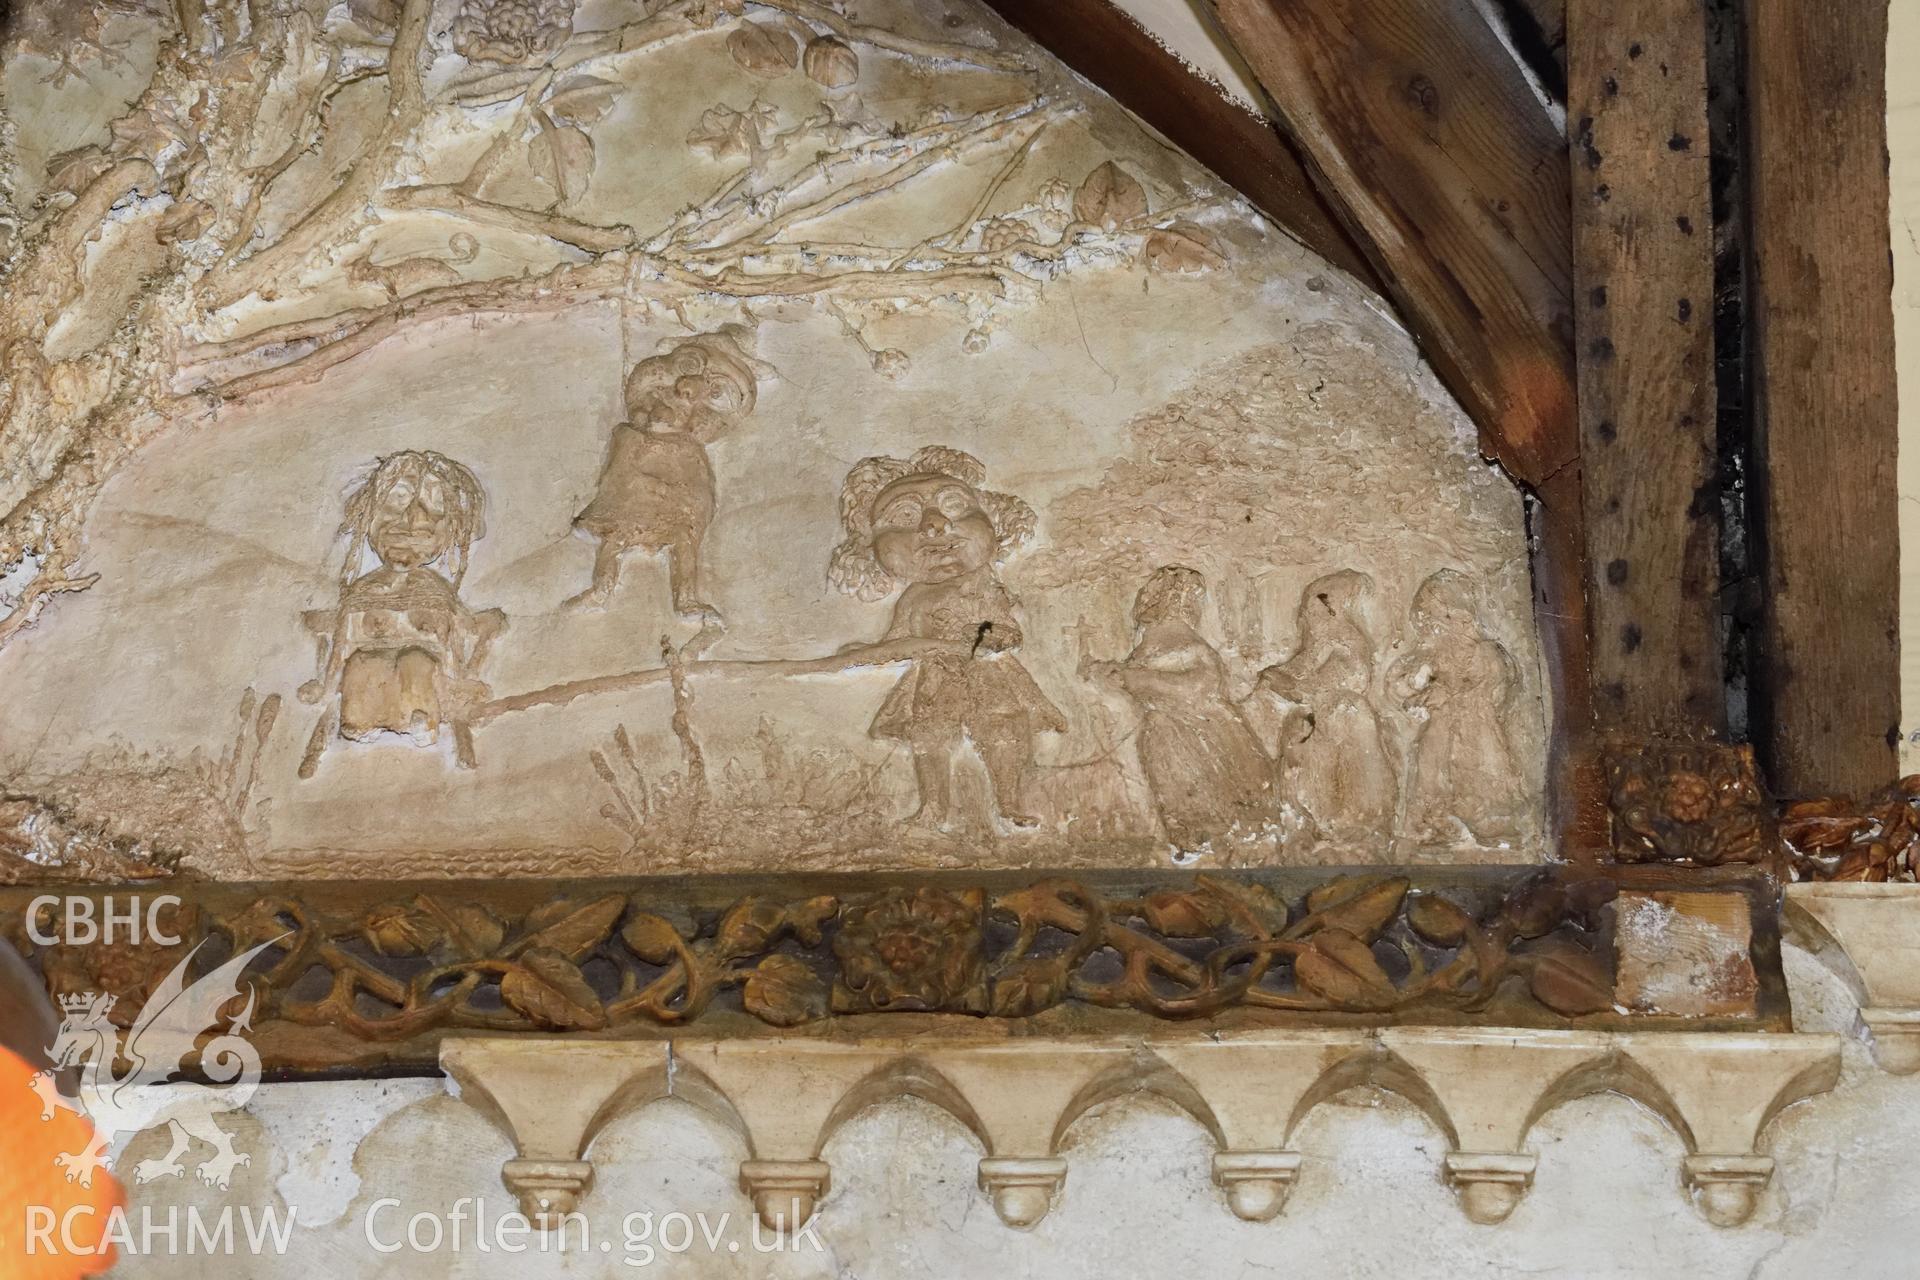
{"x": 993, "y": 261}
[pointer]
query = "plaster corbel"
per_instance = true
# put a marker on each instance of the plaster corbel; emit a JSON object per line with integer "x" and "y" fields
{"x": 1026, "y": 1094}
{"x": 1877, "y": 928}
{"x": 1255, "y": 1165}
{"x": 1489, "y": 1086}
{"x": 786, "y": 1097}
{"x": 511, "y": 1082}
{"x": 1726, "y": 1089}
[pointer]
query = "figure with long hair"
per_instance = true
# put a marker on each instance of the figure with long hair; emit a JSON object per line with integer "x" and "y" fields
{"x": 1457, "y": 684}
{"x": 399, "y": 652}
{"x": 1203, "y": 764}
{"x": 1336, "y": 766}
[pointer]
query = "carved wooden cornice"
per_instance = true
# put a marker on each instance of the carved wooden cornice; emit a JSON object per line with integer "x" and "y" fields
{"x": 359, "y": 976}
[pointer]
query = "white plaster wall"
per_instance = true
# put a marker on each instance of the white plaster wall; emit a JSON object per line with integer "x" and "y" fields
{"x": 1180, "y": 27}
{"x": 1607, "y": 1200}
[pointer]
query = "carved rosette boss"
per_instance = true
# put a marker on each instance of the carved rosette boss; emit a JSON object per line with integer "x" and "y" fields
{"x": 1695, "y": 802}
{"x": 912, "y": 950}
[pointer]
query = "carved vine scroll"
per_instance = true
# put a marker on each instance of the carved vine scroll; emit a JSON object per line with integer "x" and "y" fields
{"x": 271, "y": 146}
{"x": 347, "y": 982}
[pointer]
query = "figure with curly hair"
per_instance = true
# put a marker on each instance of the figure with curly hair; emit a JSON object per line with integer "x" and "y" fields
{"x": 399, "y": 651}
{"x": 927, "y": 525}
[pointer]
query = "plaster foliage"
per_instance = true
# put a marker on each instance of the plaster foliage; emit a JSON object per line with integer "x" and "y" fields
{"x": 442, "y": 437}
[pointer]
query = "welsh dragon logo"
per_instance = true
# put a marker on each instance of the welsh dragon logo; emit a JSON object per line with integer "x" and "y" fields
{"x": 169, "y": 1028}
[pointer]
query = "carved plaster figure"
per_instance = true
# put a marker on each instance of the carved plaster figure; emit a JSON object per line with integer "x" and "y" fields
{"x": 316, "y": 222}
{"x": 925, "y": 522}
{"x": 399, "y": 652}
{"x": 1203, "y": 764}
{"x": 1335, "y": 765}
{"x": 656, "y": 492}
{"x": 1457, "y": 684}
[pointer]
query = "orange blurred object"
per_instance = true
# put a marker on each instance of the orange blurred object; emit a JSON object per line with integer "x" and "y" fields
{"x": 68, "y": 1222}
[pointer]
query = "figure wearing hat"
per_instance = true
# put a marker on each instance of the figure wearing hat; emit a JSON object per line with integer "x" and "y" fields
{"x": 656, "y": 492}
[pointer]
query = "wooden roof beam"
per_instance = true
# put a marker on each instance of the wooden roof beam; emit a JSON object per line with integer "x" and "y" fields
{"x": 1422, "y": 129}
{"x": 1644, "y": 274}
{"x": 1826, "y": 713}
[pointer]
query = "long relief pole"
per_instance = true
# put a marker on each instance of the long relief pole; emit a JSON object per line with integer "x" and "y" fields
{"x": 872, "y": 655}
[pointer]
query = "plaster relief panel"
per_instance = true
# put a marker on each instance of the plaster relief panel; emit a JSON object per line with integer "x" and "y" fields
{"x": 632, "y": 437}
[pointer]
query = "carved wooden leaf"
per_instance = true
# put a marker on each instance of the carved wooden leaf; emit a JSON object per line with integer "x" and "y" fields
{"x": 582, "y": 99}
{"x": 1861, "y": 867}
{"x": 476, "y": 930}
{"x": 651, "y": 938}
{"x": 1184, "y": 249}
{"x": 401, "y": 930}
{"x": 748, "y": 926}
{"x": 784, "y": 991}
{"x": 805, "y": 920}
{"x": 562, "y": 157}
{"x": 1109, "y": 196}
{"x": 1335, "y": 890}
{"x": 574, "y": 928}
{"x": 1360, "y": 905}
{"x": 1536, "y": 908}
{"x": 1438, "y": 920}
{"x": 471, "y": 930}
{"x": 763, "y": 50}
{"x": 547, "y": 988}
{"x": 1341, "y": 969}
{"x": 1268, "y": 908}
{"x": 1569, "y": 980}
{"x": 1585, "y": 897}
{"x": 263, "y": 919}
{"x": 1025, "y": 988}
{"x": 1182, "y": 914}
